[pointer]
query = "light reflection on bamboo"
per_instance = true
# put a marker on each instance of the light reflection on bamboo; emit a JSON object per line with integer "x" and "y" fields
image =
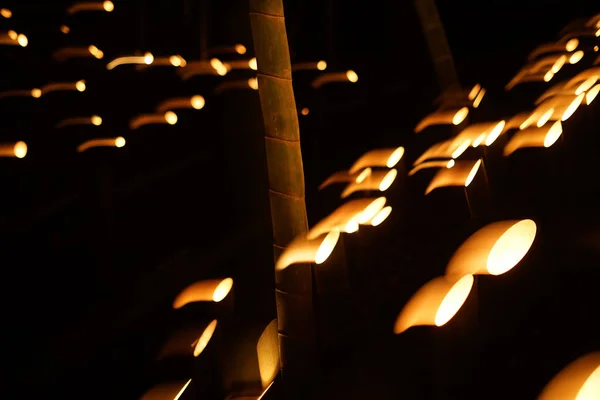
{"x": 461, "y": 174}
{"x": 310, "y": 66}
{"x": 569, "y": 46}
{"x": 166, "y": 391}
{"x": 583, "y": 76}
{"x": 93, "y": 120}
{"x": 106, "y": 6}
{"x": 545, "y": 136}
{"x": 145, "y": 119}
{"x": 451, "y": 148}
{"x": 196, "y": 102}
{"x": 13, "y": 38}
{"x": 580, "y": 380}
{"x": 190, "y": 341}
{"x": 239, "y": 84}
{"x": 377, "y": 180}
{"x": 592, "y": 94}
{"x": 211, "y": 290}
{"x": 235, "y": 49}
{"x": 378, "y": 158}
{"x": 203, "y": 67}
{"x": 35, "y": 93}
{"x": 241, "y": 64}
{"x": 16, "y": 149}
{"x": 65, "y": 53}
{"x": 167, "y": 61}
{"x": 443, "y": 117}
{"x": 109, "y": 142}
{"x": 432, "y": 164}
{"x": 146, "y": 59}
{"x": 6, "y": 13}
{"x": 303, "y": 250}
{"x": 345, "y": 176}
{"x": 330, "y": 77}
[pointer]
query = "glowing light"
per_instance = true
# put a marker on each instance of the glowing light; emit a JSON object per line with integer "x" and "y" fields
{"x": 364, "y": 174}
{"x": 148, "y": 58}
{"x": 322, "y": 65}
{"x": 474, "y": 91}
{"x": 120, "y": 142}
{"x": 175, "y": 61}
{"x": 548, "y": 76}
{"x": 108, "y": 6}
{"x": 454, "y": 300}
{"x": 576, "y": 57}
{"x": 203, "y": 340}
{"x": 461, "y": 148}
{"x": 595, "y": 48}
{"x": 218, "y": 66}
{"x": 22, "y": 40}
{"x": 197, "y": 102}
{"x": 381, "y": 216}
{"x": 114, "y": 142}
{"x": 545, "y": 117}
{"x": 171, "y": 117}
{"x": 552, "y": 136}
{"x": 450, "y": 164}
{"x": 511, "y": 247}
{"x": 572, "y": 45}
{"x": 253, "y": 83}
{"x": 222, "y": 289}
{"x": 5, "y": 12}
{"x": 240, "y": 49}
{"x": 460, "y": 116}
{"x": 585, "y": 85}
{"x": 387, "y": 181}
{"x": 267, "y": 350}
{"x": 214, "y": 290}
{"x": 180, "y": 393}
{"x": 20, "y": 149}
{"x": 326, "y": 247}
{"x": 558, "y": 64}
{"x": 478, "y": 99}
{"x": 597, "y": 34}
{"x": 395, "y": 157}
{"x": 253, "y": 64}
{"x": 80, "y": 86}
{"x": 304, "y": 111}
{"x": 95, "y": 52}
{"x": 533, "y": 137}
{"x": 36, "y": 93}
{"x": 572, "y": 107}
{"x": 592, "y": 94}
{"x": 352, "y": 76}
{"x": 378, "y": 158}
{"x": 580, "y": 380}
{"x": 372, "y": 210}
{"x": 460, "y": 174}
{"x": 303, "y": 250}
{"x": 12, "y": 34}
{"x": 495, "y": 133}
{"x": 65, "y": 29}
{"x": 472, "y": 173}
{"x": 96, "y": 120}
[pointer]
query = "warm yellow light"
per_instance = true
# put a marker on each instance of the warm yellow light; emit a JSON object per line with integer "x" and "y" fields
{"x": 352, "y": 76}
{"x": 267, "y": 350}
{"x": 364, "y": 174}
{"x": 545, "y": 117}
{"x": 65, "y": 29}
{"x": 460, "y": 116}
{"x": 573, "y": 107}
{"x": 558, "y": 64}
{"x": 240, "y": 49}
{"x": 591, "y": 94}
{"x": 202, "y": 342}
{"x": 378, "y": 158}
{"x": 22, "y": 40}
{"x": 454, "y": 300}
{"x": 322, "y": 66}
{"x": 253, "y": 83}
{"x": 180, "y": 393}
{"x": 20, "y": 149}
{"x": 576, "y": 57}
{"x": 495, "y": 133}
{"x": 473, "y": 93}
{"x": 352, "y": 226}
{"x": 460, "y": 174}
{"x": 253, "y": 64}
{"x": 108, "y": 6}
{"x": 371, "y": 210}
{"x": 511, "y": 247}
{"x": 326, "y": 247}
{"x": 304, "y": 250}
{"x": 387, "y": 180}
{"x": 12, "y": 35}
{"x": 120, "y": 142}
{"x": 548, "y": 76}
{"x": 580, "y": 380}
{"x": 597, "y": 34}
{"x": 80, "y": 86}
{"x": 595, "y": 48}
{"x": 461, "y": 148}
{"x": 222, "y": 290}
{"x": 553, "y": 134}
{"x": 96, "y": 52}
{"x": 171, "y": 117}
{"x": 96, "y": 120}
{"x": 175, "y": 61}
{"x": 304, "y": 111}
{"x": 479, "y": 98}
{"x": 585, "y": 85}
{"x": 381, "y": 216}
{"x": 218, "y": 66}
{"x": 197, "y": 102}
{"x": 36, "y": 93}
{"x": 450, "y": 164}
{"x": 473, "y": 172}
{"x": 395, "y": 157}
{"x": 572, "y": 44}
{"x": 148, "y": 58}
{"x": 5, "y": 12}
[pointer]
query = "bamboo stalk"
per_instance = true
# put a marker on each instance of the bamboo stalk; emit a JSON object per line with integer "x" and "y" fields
{"x": 294, "y": 292}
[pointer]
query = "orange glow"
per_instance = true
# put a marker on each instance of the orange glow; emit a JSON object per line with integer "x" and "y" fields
{"x": 96, "y": 52}
{"x": 253, "y": 83}
{"x": 253, "y": 64}
{"x": 171, "y": 117}
{"x": 146, "y": 59}
{"x": 304, "y": 111}
{"x": 576, "y": 57}
{"x": 329, "y": 77}
{"x": 214, "y": 290}
{"x": 267, "y": 350}
{"x": 197, "y": 102}
{"x": 167, "y": 391}
{"x": 348, "y": 216}
{"x": 572, "y": 44}
{"x": 65, "y": 29}
{"x": 461, "y": 174}
{"x": 190, "y": 341}
{"x": 108, "y": 6}
{"x": 322, "y": 66}
{"x": 545, "y": 136}
{"x": 595, "y": 48}
{"x": 435, "y": 303}
{"x": 378, "y": 158}
{"x": 431, "y": 164}
{"x": 344, "y": 176}
{"x": 475, "y": 135}
{"x": 93, "y": 120}
{"x": 444, "y": 117}
{"x": 176, "y": 61}
{"x": 65, "y": 53}
{"x": 18, "y": 149}
{"x": 582, "y": 76}
{"x": 352, "y": 76}
{"x": 168, "y": 117}
{"x": 218, "y": 66}
{"x": 304, "y": 250}
{"x": 36, "y": 93}
{"x": 493, "y": 250}
{"x": 494, "y": 133}
{"x": 473, "y": 93}
{"x": 462, "y": 147}
{"x": 545, "y": 117}
{"x": 579, "y": 380}
{"x": 201, "y": 343}
{"x": 381, "y": 216}
{"x": 548, "y": 76}
{"x": 96, "y": 120}
{"x": 111, "y": 142}
{"x": 80, "y": 86}
{"x": 460, "y": 115}
{"x": 585, "y": 85}
{"x": 592, "y": 94}
{"x": 558, "y": 64}
{"x": 6, "y": 13}
{"x": 240, "y": 49}
{"x": 443, "y": 149}
{"x": 377, "y": 180}
{"x": 477, "y": 100}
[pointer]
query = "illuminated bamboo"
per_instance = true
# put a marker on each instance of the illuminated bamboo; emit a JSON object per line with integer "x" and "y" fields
{"x": 168, "y": 61}
{"x": 190, "y": 341}
{"x": 593, "y": 22}
{"x": 435, "y": 303}
{"x": 348, "y": 217}
{"x": 303, "y": 250}
{"x": 5, "y": 13}
{"x": 576, "y": 57}
{"x": 592, "y": 94}
{"x": 447, "y": 149}
{"x": 65, "y": 29}
{"x": 579, "y": 34}
{"x": 545, "y": 136}
{"x": 196, "y": 102}
{"x": 345, "y": 176}
{"x": 78, "y": 86}
{"x": 569, "y": 46}
{"x": 35, "y": 93}
{"x": 536, "y": 77}
{"x": 16, "y": 149}
{"x": 106, "y": 6}
{"x": 238, "y": 84}
{"x": 461, "y": 174}
{"x": 241, "y": 64}
{"x": 65, "y": 53}
{"x": 582, "y": 77}
{"x": 330, "y": 77}
{"x": 203, "y": 67}
{"x": 556, "y": 90}
{"x": 494, "y": 249}
{"x": 235, "y": 49}
{"x": 443, "y": 117}
{"x": 460, "y": 97}
{"x": 167, "y": 391}
{"x": 552, "y": 62}
{"x": 13, "y": 38}
{"x": 110, "y": 142}
{"x": 310, "y": 66}
{"x": 378, "y": 180}
{"x": 145, "y": 119}
{"x": 432, "y": 164}
{"x": 483, "y": 133}
{"x": 93, "y": 120}
{"x": 387, "y": 158}
{"x": 580, "y": 380}
{"x": 146, "y": 59}
{"x": 517, "y": 120}
{"x": 212, "y": 290}
{"x": 267, "y": 352}
{"x": 479, "y": 98}
{"x": 564, "y": 110}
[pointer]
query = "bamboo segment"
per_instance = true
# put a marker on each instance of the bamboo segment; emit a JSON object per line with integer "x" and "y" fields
{"x": 294, "y": 296}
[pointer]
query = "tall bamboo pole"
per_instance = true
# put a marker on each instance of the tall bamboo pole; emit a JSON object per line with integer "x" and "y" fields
{"x": 294, "y": 291}
{"x": 438, "y": 44}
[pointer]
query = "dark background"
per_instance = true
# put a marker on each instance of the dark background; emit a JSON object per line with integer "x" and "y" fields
{"x": 96, "y": 245}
